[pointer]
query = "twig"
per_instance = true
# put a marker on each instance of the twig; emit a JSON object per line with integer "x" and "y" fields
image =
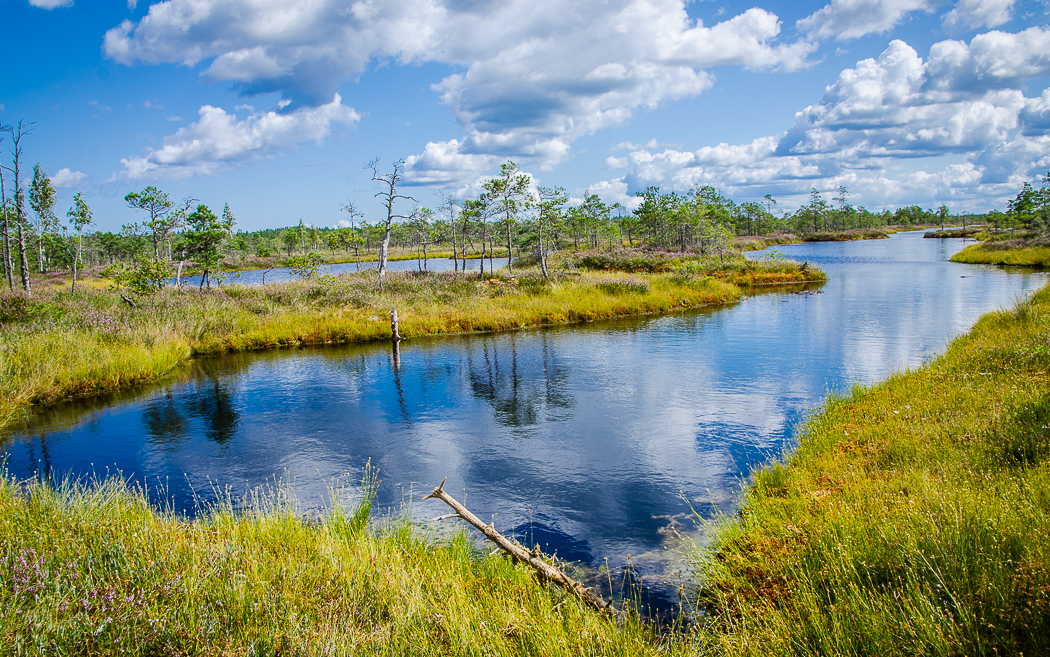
{"x": 534, "y": 558}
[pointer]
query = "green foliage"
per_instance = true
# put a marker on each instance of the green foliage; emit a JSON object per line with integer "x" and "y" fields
{"x": 205, "y": 237}
{"x": 305, "y": 266}
{"x": 146, "y": 277}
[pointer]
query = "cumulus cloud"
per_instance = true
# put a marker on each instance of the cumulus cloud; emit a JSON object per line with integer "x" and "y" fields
{"x": 219, "y": 141}
{"x": 979, "y": 13}
{"x": 50, "y": 4}
{"x": 875, "y": 127}
{"x": 533, "y": 75}
{"x": 66, "y": 178}
{"x": 851, "y": 19}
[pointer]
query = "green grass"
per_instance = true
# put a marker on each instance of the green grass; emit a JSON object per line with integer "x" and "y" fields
{"x": 96, "y": 570}
{"x": 56, "y": 346}
{"x": 848, "y": 235}
{"x": 913, "y": 517}
{"x": 1000, "y": 253}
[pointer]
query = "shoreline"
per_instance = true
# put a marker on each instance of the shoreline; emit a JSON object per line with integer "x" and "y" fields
{"x": 103, "y": 346}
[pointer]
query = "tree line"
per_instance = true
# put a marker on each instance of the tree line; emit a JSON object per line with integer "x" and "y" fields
{"x": 510, "y": 215}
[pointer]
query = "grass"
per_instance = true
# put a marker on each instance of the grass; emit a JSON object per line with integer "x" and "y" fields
{"x": 850, "y": 235}
{"x": 1003, "y": 253}
{"x": 57, "y": 345}
{"x": 913, "y": 517}
{"x": 96, "y": 570}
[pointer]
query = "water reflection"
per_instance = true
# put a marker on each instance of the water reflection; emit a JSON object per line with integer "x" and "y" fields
{"x": 595, "y": 441}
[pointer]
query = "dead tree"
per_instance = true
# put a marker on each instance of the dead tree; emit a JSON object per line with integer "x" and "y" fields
{"x": 535, "y": 558}
{"x": 389, "y": 197}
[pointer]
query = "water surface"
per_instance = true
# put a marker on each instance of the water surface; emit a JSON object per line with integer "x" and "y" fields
{"x": 594, "y": 440}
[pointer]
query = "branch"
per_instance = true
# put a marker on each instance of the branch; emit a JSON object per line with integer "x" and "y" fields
{"x": 534, "y": 558}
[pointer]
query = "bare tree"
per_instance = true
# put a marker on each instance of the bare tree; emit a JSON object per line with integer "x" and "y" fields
{"x": 353, "y": 239}
{"x": 17, "y": 133}
{"x": 448, "y": 205}
{"x": 389, "y": 197}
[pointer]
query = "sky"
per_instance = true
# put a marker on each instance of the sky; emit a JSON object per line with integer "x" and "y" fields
{"x": 276, "y": 107}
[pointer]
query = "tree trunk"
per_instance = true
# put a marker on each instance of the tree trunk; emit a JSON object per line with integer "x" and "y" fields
{"x": 534, "y": 558}
{"x": 8, "y": 264}
{"x": 510, "y": 252}
{"x": 178, "y": 275}
{"x": 543, "y": 250}
{"x": 76, "y": 260}
{"x": 455, "y": 258}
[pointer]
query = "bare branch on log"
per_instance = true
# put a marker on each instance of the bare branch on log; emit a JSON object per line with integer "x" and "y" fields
{"x": 534, "y": 558}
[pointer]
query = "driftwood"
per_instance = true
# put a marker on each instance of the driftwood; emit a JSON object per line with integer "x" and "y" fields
{"x": 127, "y": 299}
{"x": 534, "y": 558}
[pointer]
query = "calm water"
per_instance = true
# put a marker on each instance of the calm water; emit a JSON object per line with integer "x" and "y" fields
{"x": 589, "y": 439}
{"x": 281, "y": 274}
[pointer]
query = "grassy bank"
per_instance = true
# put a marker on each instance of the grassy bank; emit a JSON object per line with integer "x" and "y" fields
{"x": 1003, "y": 253}
{"x": 56, "y": 345}
{"x": 97, "y": 571}
{"x": 913, "y": 518}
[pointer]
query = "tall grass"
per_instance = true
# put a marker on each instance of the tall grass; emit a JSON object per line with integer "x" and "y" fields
{"x": 96, "y": 570}
{"x": 1002, "y": 253}
{"x": 913, "y": 517}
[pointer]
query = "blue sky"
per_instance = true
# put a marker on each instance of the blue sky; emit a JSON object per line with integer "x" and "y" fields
{"x": 276, "y": 107}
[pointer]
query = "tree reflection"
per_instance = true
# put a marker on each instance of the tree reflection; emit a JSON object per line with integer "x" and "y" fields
{"x": 167, "y": 420}
{"x": 523, "y": 391}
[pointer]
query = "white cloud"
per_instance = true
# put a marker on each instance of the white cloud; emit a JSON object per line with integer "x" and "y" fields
{"x": 132, "y": 4}
{"x": 851, "y": 19}
{"x": 66, "y": 178}
{"x": 956, "y": 127}
{"x": 218, "y": 141}
{"x": 50, "y": 4}
{"x": 533, "y": 75}
{"x": 979, "y": 13}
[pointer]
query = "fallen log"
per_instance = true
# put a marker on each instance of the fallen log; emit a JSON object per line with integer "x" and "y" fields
{"x": 534, "y": 558}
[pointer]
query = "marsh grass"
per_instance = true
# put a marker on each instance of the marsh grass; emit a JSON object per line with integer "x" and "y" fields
{"x": 1003, "y": 253}
{"x": 58, "y": 345}
{"x": 96, "y": 569}
{"x": 847, "y": 235}
{"x": 912, "y": 518}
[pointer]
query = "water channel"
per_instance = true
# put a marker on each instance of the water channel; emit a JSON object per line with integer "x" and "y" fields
{"x": 282, "y": 274}
{"x": 594, "y": 440}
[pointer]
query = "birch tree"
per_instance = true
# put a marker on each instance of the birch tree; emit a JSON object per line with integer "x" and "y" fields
{"x": 80, "y": 217}
{"x": 42, "y": 199}
{"x": 17, "y": 133}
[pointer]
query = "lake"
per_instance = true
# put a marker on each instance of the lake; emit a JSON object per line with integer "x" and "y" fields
{"x": 598, "y": 440}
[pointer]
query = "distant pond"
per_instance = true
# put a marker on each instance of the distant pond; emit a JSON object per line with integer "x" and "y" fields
{"x": 593, "y": 440}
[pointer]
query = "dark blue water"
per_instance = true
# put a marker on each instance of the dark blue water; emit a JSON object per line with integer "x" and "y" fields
{"x": 594, "y": 439}
{"x": 282, "y": 274}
